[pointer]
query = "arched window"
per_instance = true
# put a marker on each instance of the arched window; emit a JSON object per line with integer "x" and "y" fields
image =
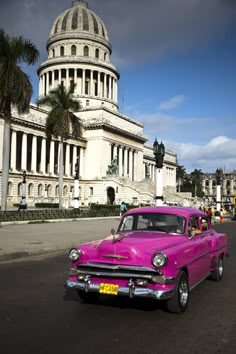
{"x": 105, "y": 56}
{"x": 57, "y": 191}
{"x": 65, "y": 191}
{"x": 62, "y": 51}
{"x": 87, "y": 103}
{"x": 40, "y": 190}
{"x": 97, "y": 53}
{"x": 53, "y": 53}
{"x": 73, "y": 50}
{"x": 9, "y": 190}
{"x": 49, "y": 190}
{"x": 19, "y": 189}
{"x": 86, "y": 51}
{"x": 31, "y": 190}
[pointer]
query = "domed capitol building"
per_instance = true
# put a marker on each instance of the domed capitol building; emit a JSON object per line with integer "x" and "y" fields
{"x": 115, "y": 161}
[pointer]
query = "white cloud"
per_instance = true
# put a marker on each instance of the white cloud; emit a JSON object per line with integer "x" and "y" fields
{"x": 173, "y": 102}
{"x": 218, "y": 152}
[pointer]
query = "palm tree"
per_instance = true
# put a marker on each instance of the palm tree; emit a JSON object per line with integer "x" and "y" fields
{"x": 180, "y": 175}
{"x": 15, "y": 90}
{"x": 61, "y": 121}
{"x": 196, "y": 178}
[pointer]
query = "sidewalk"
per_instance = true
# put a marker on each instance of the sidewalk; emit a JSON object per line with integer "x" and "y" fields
{"x": 23, "y": 240}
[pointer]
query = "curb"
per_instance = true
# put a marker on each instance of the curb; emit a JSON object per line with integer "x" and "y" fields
{"x": 3, "y": 223}
{"x": 8, "y": 257}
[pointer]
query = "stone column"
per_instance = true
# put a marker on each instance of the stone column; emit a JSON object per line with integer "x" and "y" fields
{"x": 99, "y": 83}
{"x": 91, "y": 83}
{"x": 47, "y": 83}
{"x": 115, "y": 92}
{"x": 105, "y": 85}
{"x": 52, "y": 157}
{"x": 67, "y": 79}
{"x": 120, "y": 161}
{"x": 43, "y": 90}
{"x": 81, "y": 162}
{"x": 53, "y": 79}
{"x": 125, "y": 162}
{"x": 74, "y": 158}
{"x": 131, "y": 165}
{"x": 75, "y": 81}
{"x": 109, "y": 87}
{"x": 34, "y": 154}
{"x": 13, "y": 151}
{"x": 115, "y": 153}
{"x": 83, "y": 82}
{"x": 135, "y": 167}
{"x": 67, "y": 164}
{"x": 59, "y": 76}
{"x": 43, "y": 156}
{"x": 24, "y": 152}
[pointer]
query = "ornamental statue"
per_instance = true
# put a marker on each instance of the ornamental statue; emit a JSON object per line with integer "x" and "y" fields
{"x": 113, "y": 167}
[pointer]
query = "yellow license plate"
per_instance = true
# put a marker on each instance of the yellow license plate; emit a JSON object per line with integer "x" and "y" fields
{"x": 110, "y": 289}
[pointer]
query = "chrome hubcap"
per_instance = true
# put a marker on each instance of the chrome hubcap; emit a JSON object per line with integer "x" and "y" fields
{"x": 220, "y": 267}
{"x": 183, "y": 293}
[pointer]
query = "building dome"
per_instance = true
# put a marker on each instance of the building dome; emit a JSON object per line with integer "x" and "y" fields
{"x": 79, "y": 52}
{"x": 78, "y": 22}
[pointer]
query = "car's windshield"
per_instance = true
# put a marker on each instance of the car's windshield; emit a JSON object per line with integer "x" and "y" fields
{"x": 162, "y": 222}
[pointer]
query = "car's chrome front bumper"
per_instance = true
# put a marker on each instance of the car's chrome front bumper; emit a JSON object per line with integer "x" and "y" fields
{"x": 131, "y": 290}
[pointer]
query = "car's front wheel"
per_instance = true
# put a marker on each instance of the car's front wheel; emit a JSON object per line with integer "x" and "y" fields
{"x": 179, "y": 302}
{"x": 217, "y": 274}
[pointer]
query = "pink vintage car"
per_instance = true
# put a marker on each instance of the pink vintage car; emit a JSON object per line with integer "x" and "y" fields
{"x": 157, "y": 252}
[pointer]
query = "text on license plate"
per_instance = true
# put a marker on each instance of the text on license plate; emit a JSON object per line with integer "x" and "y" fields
{"x": 110, "y": 289}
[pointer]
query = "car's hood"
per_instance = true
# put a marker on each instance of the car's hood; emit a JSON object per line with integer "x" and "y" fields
{"x": 128, "y": 247}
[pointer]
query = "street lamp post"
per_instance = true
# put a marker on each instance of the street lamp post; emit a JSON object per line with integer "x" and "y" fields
{"x": 76, "y": 185}
{"x": 159, "y": 153}
{"x": 23, "y": 201}
{"x": 218, "y": 174}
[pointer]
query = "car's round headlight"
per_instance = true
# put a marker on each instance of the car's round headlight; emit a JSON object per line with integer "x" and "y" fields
{"x": 75, "y": 254}
{"x": 159, "y": 260}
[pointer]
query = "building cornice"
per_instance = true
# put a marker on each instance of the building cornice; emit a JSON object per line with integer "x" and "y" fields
{"x": 118, "y": 114}
{"x": 78, "y": 60}
{"x": 113, "y": 129}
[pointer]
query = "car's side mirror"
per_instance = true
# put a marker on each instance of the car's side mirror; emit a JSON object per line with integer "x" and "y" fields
{"x": 113, "y": 231}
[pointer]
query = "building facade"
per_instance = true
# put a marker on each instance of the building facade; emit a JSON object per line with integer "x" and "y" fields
{"x": 115, "y": 161}
{"x": 228, "y": 187}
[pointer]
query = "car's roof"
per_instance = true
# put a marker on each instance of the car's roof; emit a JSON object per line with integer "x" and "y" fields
{"x": 184, "y": 211}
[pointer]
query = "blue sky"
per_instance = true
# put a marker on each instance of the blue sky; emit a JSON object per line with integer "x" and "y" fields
{"x": 177, "y": 61}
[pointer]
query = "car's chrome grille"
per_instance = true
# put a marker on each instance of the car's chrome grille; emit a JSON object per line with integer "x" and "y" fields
{"x": 102, "y": 270}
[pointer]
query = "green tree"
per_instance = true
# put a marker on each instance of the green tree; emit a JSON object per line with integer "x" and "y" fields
{"x": 61, "y": 121}
{"x": 180, "y": 175}
{"x": 196, "y": 179}
{"x": 15, "y": 90}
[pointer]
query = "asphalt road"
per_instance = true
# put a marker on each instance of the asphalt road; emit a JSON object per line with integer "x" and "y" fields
{"x": 37, "y": 316}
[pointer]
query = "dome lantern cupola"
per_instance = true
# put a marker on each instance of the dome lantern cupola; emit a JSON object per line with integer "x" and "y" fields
{"x": 81, "y": 2}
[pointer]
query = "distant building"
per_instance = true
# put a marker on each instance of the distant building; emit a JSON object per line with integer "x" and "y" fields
{"x": 115, "y": 162}
{"x": 228, "y": 190}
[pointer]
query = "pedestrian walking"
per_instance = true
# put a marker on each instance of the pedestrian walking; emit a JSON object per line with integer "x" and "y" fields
{"x": 221, "y": 215}
{"x": 123, "y": 208}
{"x": 209, "y": 213}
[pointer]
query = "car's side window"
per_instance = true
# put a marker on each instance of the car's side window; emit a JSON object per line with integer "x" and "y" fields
{"x": 204, "y": 224}
{"x": 127, "y": 223}
{"x": 193, "y": 226}
{"x": 142, "y": 223}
